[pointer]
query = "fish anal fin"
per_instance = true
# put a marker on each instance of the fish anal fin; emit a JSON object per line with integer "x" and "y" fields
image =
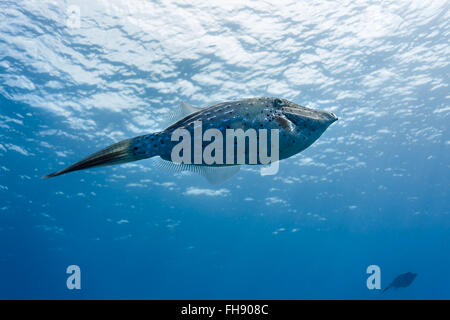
{"x": 214, "y": 175}
{"x": 218, "y": 175}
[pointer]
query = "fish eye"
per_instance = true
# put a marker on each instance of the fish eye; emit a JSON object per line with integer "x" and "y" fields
{"x": 277, "y": 103}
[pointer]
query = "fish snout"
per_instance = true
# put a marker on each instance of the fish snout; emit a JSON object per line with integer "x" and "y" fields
{"x": 329, "y": 117}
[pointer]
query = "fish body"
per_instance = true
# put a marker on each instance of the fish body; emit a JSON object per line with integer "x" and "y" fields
{"x": 402, "y": 281}
{"x": 297, "y": 128}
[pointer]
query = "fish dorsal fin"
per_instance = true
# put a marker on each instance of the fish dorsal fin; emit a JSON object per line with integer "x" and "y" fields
{"x": 178, "y": 113}
{"x": 187, "y": 109}
{"x": 214, "y": 175}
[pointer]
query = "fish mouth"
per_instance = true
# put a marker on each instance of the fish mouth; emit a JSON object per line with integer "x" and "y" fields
{"x": 330, "y": 116}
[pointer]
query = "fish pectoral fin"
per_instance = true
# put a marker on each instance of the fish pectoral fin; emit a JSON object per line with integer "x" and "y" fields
{"x": 214, "y": 175}
{"x": 285, "y": 123}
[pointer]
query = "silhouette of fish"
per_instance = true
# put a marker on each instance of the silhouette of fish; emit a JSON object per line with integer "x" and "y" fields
{"x": 298, "y": 128}
{"x": 402, "y": 281}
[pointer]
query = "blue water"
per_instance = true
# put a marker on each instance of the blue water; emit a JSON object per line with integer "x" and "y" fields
{"x": 373, "y": 190}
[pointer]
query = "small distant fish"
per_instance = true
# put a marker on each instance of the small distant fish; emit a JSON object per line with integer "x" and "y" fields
{"x": 298, "y": 128}
{"x": 402, "y": 281}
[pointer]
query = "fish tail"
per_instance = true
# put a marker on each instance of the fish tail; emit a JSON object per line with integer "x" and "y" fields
{"x": 121, "y": 152}
{"x": 385, "y": 289}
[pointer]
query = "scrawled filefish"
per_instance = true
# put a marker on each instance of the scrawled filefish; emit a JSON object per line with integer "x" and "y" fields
{"x": 297, "y": 128}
